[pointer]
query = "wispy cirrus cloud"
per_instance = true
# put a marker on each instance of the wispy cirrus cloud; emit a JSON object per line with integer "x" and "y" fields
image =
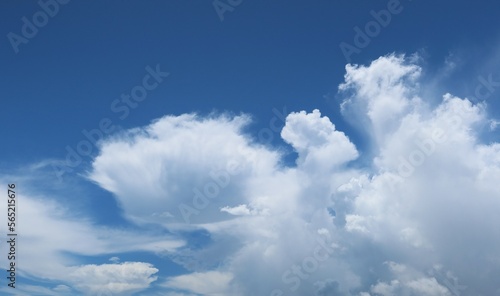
{"x": 53, "y": 240}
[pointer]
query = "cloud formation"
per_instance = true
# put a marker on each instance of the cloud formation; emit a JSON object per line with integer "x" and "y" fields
{"x": 420, "y": 218}
{"x": 428, "y": 198}
{"x": 113, "y": 279}
{"x": 52, "y": 239}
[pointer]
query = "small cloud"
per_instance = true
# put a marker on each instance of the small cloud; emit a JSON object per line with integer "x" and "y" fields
{"x": 207, "y": 283}
{"x": 241, "y": 210}
{"x": 165, "y": 214}
{"x": 114, "y": 259}
{"x": 494, "y": 124}
{"x": 62, "y": 289}
{"x": 123, "y": 278}
{"x": 244, "y": 210}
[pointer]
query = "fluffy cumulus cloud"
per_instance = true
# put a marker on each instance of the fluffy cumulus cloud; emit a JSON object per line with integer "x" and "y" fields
{"x": 316, "y": 141}
{"x": 181, "y": 168}
{"x": 113, "y": 279}
{"x": 420, "y": 219}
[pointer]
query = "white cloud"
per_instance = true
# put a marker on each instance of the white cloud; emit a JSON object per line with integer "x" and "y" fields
{"x": 241, "y": 210}
{"x": 429, "y": 196}
{"x": 113, "y": 279}
{"x": 50, "y": 237}
{"x": 385, "y": 289}
{"x": 266, "y": 201}
{"x": 428, "y": 287}
{"x": 409, "y": 281}
{"x": 185, "y": 165}
{"x": 30, "y": 290}
{"x": 315, "y": 139}
{"x": 211, "y": 283}
{"x": 62, "y": 288}
{"x": 380, "y": 94}
{"x": 114, "y": 259}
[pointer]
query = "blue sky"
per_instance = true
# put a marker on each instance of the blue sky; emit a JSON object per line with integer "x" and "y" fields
{"x": 245, "y": 68}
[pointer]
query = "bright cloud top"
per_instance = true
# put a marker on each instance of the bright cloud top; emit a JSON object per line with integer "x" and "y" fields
{"x": 316, "y": 141}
